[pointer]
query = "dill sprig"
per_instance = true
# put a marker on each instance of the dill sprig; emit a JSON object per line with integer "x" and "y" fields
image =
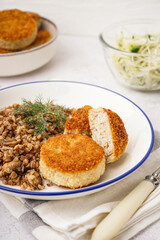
{"x": 38, "y": 114}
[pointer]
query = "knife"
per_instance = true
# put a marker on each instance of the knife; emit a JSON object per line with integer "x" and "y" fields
{"x": 120, "y": 215}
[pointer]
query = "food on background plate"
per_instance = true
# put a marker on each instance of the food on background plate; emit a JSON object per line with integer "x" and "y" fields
{"x": 17, "y": 29}
{"x": 5, "y": 51}
{"x": 79, "y": 122}
{"x": 108, "y": 130}
{"x": 43, "y": 36}
{"x": 20, "y": 31}
{"x": 142, "y": 68}
{"x": 72, "y": 160}
{"x": 36, "y": 17}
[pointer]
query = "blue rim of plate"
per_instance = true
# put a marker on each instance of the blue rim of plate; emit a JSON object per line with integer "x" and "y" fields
{"x": 90, "y": 188}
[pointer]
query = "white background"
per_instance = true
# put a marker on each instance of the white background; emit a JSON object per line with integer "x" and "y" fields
{"x": 87, "y": 17}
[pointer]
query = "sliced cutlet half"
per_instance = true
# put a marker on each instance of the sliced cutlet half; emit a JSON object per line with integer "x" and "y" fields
{"x": 108, "y": 131}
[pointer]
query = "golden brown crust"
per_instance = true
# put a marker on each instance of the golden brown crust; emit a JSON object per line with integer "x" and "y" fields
{"x": 36, "y": 17}
{"x": 71, "y": 153}
{"x": 118, "y": 131}
{"x": 79, "y": 122}
{"x": 43, "y": 36}
{"x": 5, "y": 51}
{"x": 16, "y": 25}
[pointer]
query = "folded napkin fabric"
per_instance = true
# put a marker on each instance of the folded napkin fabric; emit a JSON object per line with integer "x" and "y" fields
{"x": 74, "y": 219}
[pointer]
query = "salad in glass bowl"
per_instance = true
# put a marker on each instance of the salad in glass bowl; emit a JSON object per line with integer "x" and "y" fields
{"x": 132, "y": 50}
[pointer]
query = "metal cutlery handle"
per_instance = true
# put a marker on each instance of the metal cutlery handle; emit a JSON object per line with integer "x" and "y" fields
{"x": 120, "y": 215}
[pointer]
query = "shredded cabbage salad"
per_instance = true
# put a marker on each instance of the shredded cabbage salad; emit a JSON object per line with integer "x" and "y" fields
{"x": 139, "y": 70}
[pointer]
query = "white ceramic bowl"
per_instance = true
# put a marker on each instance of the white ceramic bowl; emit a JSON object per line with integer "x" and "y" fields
{"x": 28, "y": 60}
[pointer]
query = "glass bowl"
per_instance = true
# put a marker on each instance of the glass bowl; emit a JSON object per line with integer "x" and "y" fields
{"x": 132, "y": 51}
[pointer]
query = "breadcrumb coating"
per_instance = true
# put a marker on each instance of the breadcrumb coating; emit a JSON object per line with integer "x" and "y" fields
{"x": 36, "y": 17}
{"x": 71, "y": 153}
{"x": 5, "y": 51}
{"x": 43, "y": 36}
{"x": 79, "y": 122}
{"x": 16, "y": 25}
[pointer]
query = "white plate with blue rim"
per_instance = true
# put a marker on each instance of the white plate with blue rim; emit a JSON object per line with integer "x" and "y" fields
{"x": 77, "y": 94}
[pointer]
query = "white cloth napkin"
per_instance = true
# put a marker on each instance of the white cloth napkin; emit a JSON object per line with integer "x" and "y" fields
{"x": 74, "y": 219}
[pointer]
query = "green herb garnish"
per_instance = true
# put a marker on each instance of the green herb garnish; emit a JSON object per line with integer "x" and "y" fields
{"x": 134, "y": 49}
{"x": 39, "y": 115}
{"x": 149, "y": 36}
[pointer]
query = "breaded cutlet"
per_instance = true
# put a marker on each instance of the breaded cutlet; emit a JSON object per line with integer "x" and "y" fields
{"x": 108, "y": 131}
{"x": 36, "y": 17}
{"x": 72, "y": 160}
{"x": 3, "y": 51}
{"x": 17, "y": 29}
{"x": 79, "y": 122}
{"x": 43, "y": 36}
